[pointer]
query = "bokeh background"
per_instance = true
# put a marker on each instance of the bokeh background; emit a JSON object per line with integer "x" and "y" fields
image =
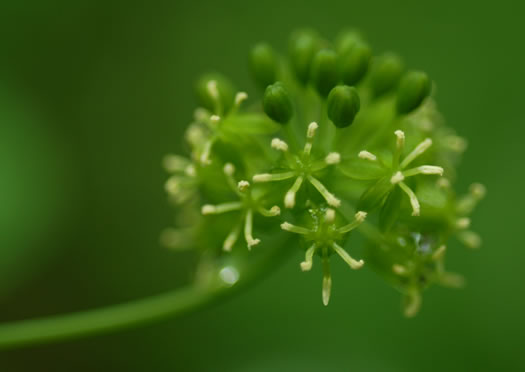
{"x": 94, "y": 93}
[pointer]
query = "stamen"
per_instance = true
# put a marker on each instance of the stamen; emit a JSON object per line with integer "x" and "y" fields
{"x": 190, "y": 171}
{"x": 175, "y": 163}
{"x": 201, "y": 115}
{"x": 443, "y": 183}
{"x": 359, "y": 219}
{"x": 328, "y": 196}
{"x": 240, "y": 97}
{"x": 248, "y": 225}
{"x": 289, "y": 198}
{"x": 423, "y": 169}
{"x": 399, "y": 269}
{"x": 333, "y": 158}
{"x": 205, "y": 156}
{"x": 172, "y": 185}
{"x": 456, "y": 143}
{"x": 212, "y": 89}
{"x": 412, "y": 304}
{"x": 470, "y": 239}
{"x": 310, "y": 133}
{"x": 312, "y": 127}
{"x": 220, "y": 208}
{"x": 329, "y": 215}
{"x": 478, "y": 190}
{"x": 306, "y": 265}
{"x": 400, "y": 139}
{"x": 439, "y": 253}
{"x": 420, "y": 149}
{"x": 452, "y": 280}
{"x": 367, "y": 155}
{"x": 397, "y": 177}
{"x": 243, "y": 185}
{"x": 270, "y": 177}
{"x": 231, "y": 239}
{"x": 274, "y": 211}
{"x": 327, "y": 281}
{"x": 279, "y": 144}
{"x": 354, "y": 264}
{"x": 215, "y": 119}
{"x": 229, "y": 169}
{"x": 295, "y": 229}
{"x": 463, "y": 223}
{"x": 413, "y": 198}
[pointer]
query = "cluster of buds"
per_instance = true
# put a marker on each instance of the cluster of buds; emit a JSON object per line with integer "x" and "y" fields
{"x": 376, "y": 148}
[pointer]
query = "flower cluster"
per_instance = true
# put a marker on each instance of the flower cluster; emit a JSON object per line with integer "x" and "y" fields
{"x": 377, "y": 158}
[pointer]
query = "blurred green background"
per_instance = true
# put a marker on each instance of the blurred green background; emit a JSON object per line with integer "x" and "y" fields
{"x": 94, "y": 93}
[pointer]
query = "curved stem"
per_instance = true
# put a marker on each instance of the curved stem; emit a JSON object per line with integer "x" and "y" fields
{"x": 131, "y": 314}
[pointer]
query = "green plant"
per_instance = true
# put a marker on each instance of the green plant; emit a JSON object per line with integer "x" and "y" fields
{"x": 341, "y": 142}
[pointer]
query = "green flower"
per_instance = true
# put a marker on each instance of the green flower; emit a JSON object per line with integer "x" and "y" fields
{"x": 323, "y": 240}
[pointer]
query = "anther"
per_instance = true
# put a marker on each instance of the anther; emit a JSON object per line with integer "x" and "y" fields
{"x": 279, "y": 144}
{"x": 367, "y": 155}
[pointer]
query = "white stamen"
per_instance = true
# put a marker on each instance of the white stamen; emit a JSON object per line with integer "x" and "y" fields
{"x": 174, "y": 163}
{"x": 248, "y": 230}
{"x": 240, "y": 97}
{"x": 190, "y": 171}
{"x": 279, "y": 144}
{"x": 268, "y": 177}
{"x": 200, "y": 114}
{"x": 231, "y": 239}
{"x": 306, "y": 265}
{"x": 229, "y": 169}
{"x": 399, "y": 270}
{"x": 367, "y": 155}
{"x": 327, "y": 281}
{"x": 172, "y": 185}
{"x": 470, "y": 239}
{"x": 229, "y": 275}
{"x": 400, "y": 138}
{"x": 328, "y": 196}
{"x": 311, "y": 129}
{"x": 397, "y": 177}
{"x": 360, "y": 216}
{"x": 333, "y": 158}
{"x": 295, "y": 229}
{"x": 478, "y": 190}
{"x": 354, "y": 264}
{"x": 275, "y": 210}
{"x": 463, "y": 223}
{"x": 289, "y": 199}
{"x": 439, "y": 253}
{"x": 212, "y": 89}
{"x": 413, "y": 198}
{"x": 208, "y": 209}
{"x": 423, "y": 169}
{"x": 194, "y": 135}
{"x": 456, "y": 143}
{"x": 330, "y": 215}
{"x": 215, "y": 119}
{"x": 243, "y": 185}
{"x": 420, "y": 149}
{"x": 443, "y": 183}
{"x": 413, "y": 304}
{"x": 205, "y": 156}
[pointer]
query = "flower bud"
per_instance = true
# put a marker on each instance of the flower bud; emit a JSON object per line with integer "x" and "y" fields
{"x": 343, "y": 105}
{"x": 413, "y": 89}
{"x": 385, "y": 74}
{"x": 303, "y": 46}
{"x": 324, "y": 75}
{"x": 224, "y": 100}
{"x": 277, "y": 103}
{"x": 354, "y": 63}
{"x": 347, "y": 40}
{"x": 263, "y": 64}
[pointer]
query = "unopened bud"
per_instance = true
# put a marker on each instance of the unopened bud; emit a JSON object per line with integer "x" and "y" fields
{"x": 413, "y": 89}
{"x": 263, "y": 64}
{"x": 277, "y": 103}
{"x": 343, "y": 105}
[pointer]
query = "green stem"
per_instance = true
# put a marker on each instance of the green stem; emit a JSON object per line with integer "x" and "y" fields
{"x": 131, "y": 314}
